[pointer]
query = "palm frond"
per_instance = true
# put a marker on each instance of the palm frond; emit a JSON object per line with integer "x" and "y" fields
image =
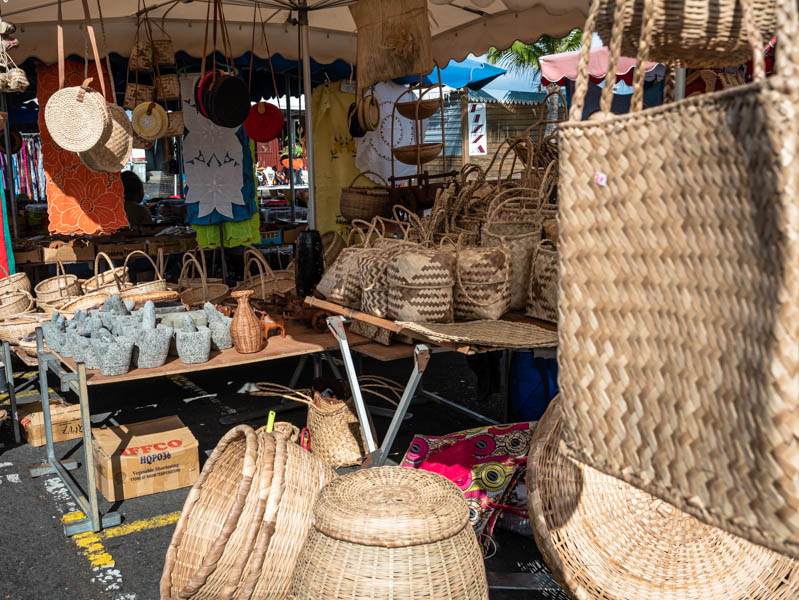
{"x": 523, "y": 58}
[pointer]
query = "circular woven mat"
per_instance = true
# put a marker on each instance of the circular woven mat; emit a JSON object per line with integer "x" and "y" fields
{"x": 391, "y": 507}
{"x": 76, "y": 126}
{"x": 604, "y": 538}
{"x": 149, "y": 120}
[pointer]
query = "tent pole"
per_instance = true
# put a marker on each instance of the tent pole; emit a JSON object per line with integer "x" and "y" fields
{"x": 306, "y": 85}
{"x": 10, "y": 170}
{"x": 290, "y": 121}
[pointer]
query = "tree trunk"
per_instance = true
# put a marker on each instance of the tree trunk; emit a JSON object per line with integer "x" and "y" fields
{"x": 551, "y": 109}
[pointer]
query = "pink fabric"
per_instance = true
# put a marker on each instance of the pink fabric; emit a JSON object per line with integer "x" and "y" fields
{"x": 559, "y": 68}
{"x": 482, "y": 462}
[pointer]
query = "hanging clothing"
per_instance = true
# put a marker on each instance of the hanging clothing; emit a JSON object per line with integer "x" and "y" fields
{"x": 6, "y": 252}
{"x": 219, "y": 167}
{"x": 334, "y": 152}
{"x": 374, "y": 148}
{"x": 236, "y": 233}
{"x": 78, "y": 200}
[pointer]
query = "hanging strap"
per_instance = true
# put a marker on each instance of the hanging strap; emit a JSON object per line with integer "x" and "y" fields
{"x": 268, "y": 53}
{"x": 98, "y": 63}
{"x": 105, "y": 51}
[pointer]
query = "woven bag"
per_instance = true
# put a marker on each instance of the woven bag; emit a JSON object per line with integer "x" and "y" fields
{"x": 390, "y": 533}
{"x": 176, "y": 126}
{"x": 112, "y": 153}
{"x": 702, "y": 33}
{"x": 482, "y": 282}
{"x": 542, "y": 302}
{"x": 137, "y": 93}
{"x": 245, "y": 519}
{"x": 605, "y": 539}
{"x": 167, "y": 87}
{"x": 687, "y": 292}
{"x": 341, "y": 282}
{"x": 420, "y": 286}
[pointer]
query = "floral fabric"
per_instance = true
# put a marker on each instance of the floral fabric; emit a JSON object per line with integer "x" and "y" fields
{"x": 78, "y": 200}
{"x": 484, "y": 463}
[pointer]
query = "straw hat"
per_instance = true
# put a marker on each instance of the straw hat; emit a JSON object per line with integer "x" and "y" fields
{"x": 604, "y": 538}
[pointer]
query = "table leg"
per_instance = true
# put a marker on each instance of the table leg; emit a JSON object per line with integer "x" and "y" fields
{"x": 12, "y": 392}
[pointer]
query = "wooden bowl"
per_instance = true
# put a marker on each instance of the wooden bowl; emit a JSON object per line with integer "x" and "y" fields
{"x": 427, "y": 108}
{"x": 423, "y": 153}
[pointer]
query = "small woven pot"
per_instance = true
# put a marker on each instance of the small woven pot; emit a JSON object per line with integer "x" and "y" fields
{"x": 365, "y": 202}
{"x": 605, "y": 539}
{"x": 58, "y": 287}
{"x": 245, "y": 329}
{"x": 543, "y": 300}
{"x": 390, "y": 533}
{"x": 244, "y": 521}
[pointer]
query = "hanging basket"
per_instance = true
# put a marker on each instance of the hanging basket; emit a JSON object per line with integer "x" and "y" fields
{"x": 112, "y": 154}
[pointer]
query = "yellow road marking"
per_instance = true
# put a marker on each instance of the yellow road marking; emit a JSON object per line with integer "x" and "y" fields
{"x": 25, "y": 394}
{"x": 142, "y": 525}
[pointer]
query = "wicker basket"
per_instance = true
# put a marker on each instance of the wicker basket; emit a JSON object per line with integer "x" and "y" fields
{"x": 77, "y": 118}
{"x": 112, "y": 153}
{"x": 333, "y": 244}
{"x": 244, "y": 521}
{"x": 112, "y": 280}
{"x": 542, "y": 302}
{"x": 137, "y": 93}
{"x": 175, "y": 124}
{"x": 365, "y": 202}
{"x": 19, "y": 281}
{"x": 157, "y": 285}
{"x": 419, "y": 154}
{"x": 49, "y": 307}
{"x": 15, "y": 328}
{"x": 603, "y": 538}
{"x": 194, "y": 297}
{"x": 420, "y": 286}
{"x": 390, "y": 533}
{"x": 267, "y": 282}
{"x": 341, "y": 282}
{"x": 15, "y": 303}
{"x": 60, "y": 286}
{"x": 86, "y": 302}
{"x": 426, "y": 109}
{"x": 167, "y": 87}
{"x": 482, "y": 282}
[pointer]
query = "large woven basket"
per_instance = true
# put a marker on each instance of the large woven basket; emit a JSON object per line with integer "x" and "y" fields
{"x": 15, "y": 303}
{"x": 704, "y": 33}
{"x": 267, "y": 282}
{"x": 112, "y": 280}
{"x": 420, "y": 286}
{"x": 85, "y": 302}
{"x": 15, "y": 282}
{"x": 542, "y": 302}
{"x": 365, "y": 202}
{"x": 679, "y": 297}
{"x": 373, "y": 270}
{"x": 390, "y": 533}
{"x": 206, "y": 292}
{"x": 482, "y": 282}
{"x": 341, "y": 281}
{"x": 605, "y": 539}
{"x": 158, "y": 284}
{"x": 244, "y": 521}
{"x": 58, "y": 287}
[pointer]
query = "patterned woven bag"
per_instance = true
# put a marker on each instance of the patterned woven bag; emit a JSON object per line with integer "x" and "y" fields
{"x": 373, "y": 269}
{"x": 420, "y": 286}
{"x": 679, "y": 291}
{"x": 482, "y": 283}
{"x": 341, "y": 282}
{"x": 543, "y": 300}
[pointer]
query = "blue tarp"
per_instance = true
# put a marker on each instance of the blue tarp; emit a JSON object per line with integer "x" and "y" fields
{"x": 466, "y": 73}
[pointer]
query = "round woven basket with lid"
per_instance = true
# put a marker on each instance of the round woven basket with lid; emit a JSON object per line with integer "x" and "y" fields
{"x": 604, "y": 538}
{"x": 390, "y": 533}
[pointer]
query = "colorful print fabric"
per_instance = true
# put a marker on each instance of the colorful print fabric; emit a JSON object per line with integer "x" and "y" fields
{"x": 484, "y": 463}
{"x": 78, "y": 200}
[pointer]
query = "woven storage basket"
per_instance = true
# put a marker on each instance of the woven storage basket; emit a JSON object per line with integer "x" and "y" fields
{"x": 543, "y": 300}
{"x": 137, "y": 93}
{"x": 141, "y": 56}
{"x": 704, "y": 33}
{"x": 482, "y": 282}
{"x": 112, "y": 280}
{"x": 336, "y": 436}
{"x": 390, "y": 533}
{"x": 15, "y": 303}
{"x": 267, "y": 282}
{"x": 163, "y": 49}
{"x": 167, "y": 87}
{"x": 206, "y": 292}
{"x": 365, "y": 202}
{"x": 242, "y": 526}
{"x": 157, "y": 285}
{"x": 373, "y": 270}
{"x": 15, "y": 282}
{"x": 341, "y": 281}
{"x": 687, "y": 292}
{"x": 49, "y": 307}
{"x": 13, "y": 329}
{"x": 420, "y": 286}
{"x": 605, "y": 539}
{"x": 60, "y": 286}
{"x": 112, "y": 152}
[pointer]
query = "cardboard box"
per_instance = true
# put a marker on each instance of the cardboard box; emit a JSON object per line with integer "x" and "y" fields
{"x": 27, "y": 255}
{"x": 122, "y": 249}
{"x": 72, "y": 251}
{"x": 290, "y": 235}
{"x": 65, "y": 421}
{"x": 169, "y": 245}
{"x": 144, "y": 458}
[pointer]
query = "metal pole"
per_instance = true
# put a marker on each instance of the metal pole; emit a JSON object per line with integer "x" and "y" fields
{"x": 180, "y": 168}
{"x": 306, "y": 85}
{"x": 290, "y": 121}
{"x": 679, "y": 83}
{"x": 10, "y": 171}
{"x": 12, "y": 392}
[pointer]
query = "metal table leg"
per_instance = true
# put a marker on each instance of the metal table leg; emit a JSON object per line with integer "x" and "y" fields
{"x": 12, "y": 392}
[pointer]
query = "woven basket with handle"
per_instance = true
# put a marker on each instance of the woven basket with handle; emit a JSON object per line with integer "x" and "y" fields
{"x": 58, "y": 287}
{"x": 603, "y": 538}
{"x": 15, "y": 282}
{"x": 542, "y": 302}
{"x": 111, "y": 280}
{"x": 679, "y": 297}
{"x": 482, "y": 282}
{"x": 267, "y": 282}
{"x": 420, "y": 286}
{"x": 245, "y": 519}
{"x": 341, "y": 281}
{"x": 158, "y": 284}
{"x": 365, "y": 202}
{"x": 15, "y": 303}
{"x": 206, "y": 292}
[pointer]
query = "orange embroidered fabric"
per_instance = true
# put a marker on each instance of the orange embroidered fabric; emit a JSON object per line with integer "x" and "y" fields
{"x": 78, "y": 200}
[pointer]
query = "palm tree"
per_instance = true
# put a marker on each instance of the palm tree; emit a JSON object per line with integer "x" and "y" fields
{"x": 523, "y": 58}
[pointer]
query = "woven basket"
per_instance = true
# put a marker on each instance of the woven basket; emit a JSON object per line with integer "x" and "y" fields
{"x": 17, "y": 80}
{"x": 157, "y": 285}
{"x": 244, "y": 521}
{"x": 267, "y": 282}
{"x": 333, "y": 244}
{"x": 336, "y": 436}
{"x": 163, "y": 50}
{"x": 543, "y": 300}
{"x": 418, "y": 154}
{"x": 421, "y": 286}
{"x": 15, "y": 328}
{"x": 373, "y": 270}
{"x": 679, "y": 298}
{"x": 60, "y": 286}
{"x": 365, "y": 203}
{"x": 112, "y": 280}
{"x": 341, "y": 281}
{"x": 704, "y": 33}
{"x": 167, "y": 87}
{"x": 175, "y": 124}
{"x": 390, "y": 532}
{"x": 141, "y": 56}
{"x": 605, "y": 539}
{"x": 48, "y": 308}
{"x": 137, "y": 93}
{"x": 207, "y": 292}
{"x": 15, "y": 282}
{"x": 112, "y": 152}
{"x": 85, "y": 302}
{"x": 482, "y": 282}
{"x": 15, "y": 303}
{"x": 77, "y": 118}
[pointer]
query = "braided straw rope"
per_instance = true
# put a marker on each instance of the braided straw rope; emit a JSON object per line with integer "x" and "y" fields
{"x": 603, "y": 538}
{"x": 679, "y": 296}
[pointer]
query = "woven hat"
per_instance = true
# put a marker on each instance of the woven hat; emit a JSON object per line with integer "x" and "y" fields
{"x": 264, "y": 122}
{"x": 604, "y": 538}
{"x": 112, "y": 153}
{"x": 149, "y": 120}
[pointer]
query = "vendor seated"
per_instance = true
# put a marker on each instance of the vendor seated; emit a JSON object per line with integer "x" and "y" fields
{"x": 134, "y": 194}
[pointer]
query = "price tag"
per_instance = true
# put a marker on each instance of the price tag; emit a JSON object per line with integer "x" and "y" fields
{"x": 601, "y": 179}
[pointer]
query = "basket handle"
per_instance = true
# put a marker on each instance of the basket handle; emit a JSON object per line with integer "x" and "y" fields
{"x": 110, "y": 264}
{"x": 158, "y": 273}
{"x": 512, "y": 144}
{"x": 364, "y": 173}
{"x": 61, "y": 275}
{"x": 211, "y": 558}
{"x": 3, "y": 269}
{"x": 273, "y": 390}
{"x": 190, "y": 260}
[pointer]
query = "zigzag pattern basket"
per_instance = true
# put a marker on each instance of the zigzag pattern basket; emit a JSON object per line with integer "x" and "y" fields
{"x": 420, "y": 286}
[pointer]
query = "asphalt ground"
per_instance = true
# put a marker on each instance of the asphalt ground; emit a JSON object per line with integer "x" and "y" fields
{"x": 125, "y": 563}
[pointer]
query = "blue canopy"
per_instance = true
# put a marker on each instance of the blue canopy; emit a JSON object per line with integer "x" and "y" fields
{"x": 466, "y": 73}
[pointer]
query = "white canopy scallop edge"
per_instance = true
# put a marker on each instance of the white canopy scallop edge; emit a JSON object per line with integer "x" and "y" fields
{"x": 459, "y": 27}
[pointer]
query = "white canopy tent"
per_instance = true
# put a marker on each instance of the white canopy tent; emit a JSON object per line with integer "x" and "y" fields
{"x": 326, "y": 29}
